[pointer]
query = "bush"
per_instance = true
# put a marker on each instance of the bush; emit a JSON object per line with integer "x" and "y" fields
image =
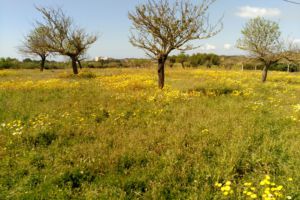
{"x": 7, "y": 63}
{"x": 196, "y": 60}
{"x": 27, "y": 60}
{"x": 284, "y": 67}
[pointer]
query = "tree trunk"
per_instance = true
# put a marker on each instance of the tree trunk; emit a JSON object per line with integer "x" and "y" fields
{"x": 43, "y": 60}
{"x": 265, "y": 73}
{"x": 79, "y": 63}
{"x": 288, "y": 68}
{"x": 161, "y": 71}
{"x": 74, "y": 65}
{"x": 182, "y": 64}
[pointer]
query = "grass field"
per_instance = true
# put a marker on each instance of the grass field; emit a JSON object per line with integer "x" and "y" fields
{"x": 111, "y": 134}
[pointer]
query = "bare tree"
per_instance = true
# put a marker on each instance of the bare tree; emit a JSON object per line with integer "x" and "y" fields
{"x": 78, "y": 44}
{"x": 261, "y": 38}
{"x": 63, "y": 37}
{"x": 160, "y": 27}
{"x": 34, "y": 45}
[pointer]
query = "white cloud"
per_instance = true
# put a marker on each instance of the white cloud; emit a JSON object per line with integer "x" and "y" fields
{"x": 208, "y": 47}
{"x": 296, "y": 43}
{"x": 250, "y": 12}
{"x": 227, "y": 46}
{"x": 297, "y": 40}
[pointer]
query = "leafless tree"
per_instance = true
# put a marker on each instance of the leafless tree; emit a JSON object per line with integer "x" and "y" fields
{"x": 63, "y": 37}
{"x": 34, "y": 45}
{"x": 159, "y": 27}
{"x": 79, "y": 42}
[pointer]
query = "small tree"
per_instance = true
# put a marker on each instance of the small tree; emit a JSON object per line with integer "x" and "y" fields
{"x": 212, "y": 59}
{"x": 172, "y": 60}
{"x": 182, "y": 58}
{"x": 63, "y": 37}
{"x": 34, "y": 44}
{"x": 78, "y": 43}
{"x": 261, "y": 37}
{"x": 160, "y": 27}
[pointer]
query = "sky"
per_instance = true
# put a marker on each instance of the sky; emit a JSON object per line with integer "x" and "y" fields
{"x": 108, "y": 19}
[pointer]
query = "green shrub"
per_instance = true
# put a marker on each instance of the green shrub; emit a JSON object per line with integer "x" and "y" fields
{"x": 6, "y": 63}
{"x": 284, "y": 67}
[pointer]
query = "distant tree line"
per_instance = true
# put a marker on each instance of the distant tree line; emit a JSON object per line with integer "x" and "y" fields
{"x": 28, "y": 63}
{"x": 195, "y": 60}
{"x": 180, "y": 60}
{"x": 292, "y": 67}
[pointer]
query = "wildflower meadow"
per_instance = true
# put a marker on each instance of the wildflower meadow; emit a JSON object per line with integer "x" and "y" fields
{"x": 111, "y": 134}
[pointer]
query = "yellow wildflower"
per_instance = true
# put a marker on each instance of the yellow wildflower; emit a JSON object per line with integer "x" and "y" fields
{"x": 217, "y": 184}
{"x": 228, "y": 183}
{"x": 267, "y": 177}
{"x": 247, "y": 184}
{"x": 225, "y": 188}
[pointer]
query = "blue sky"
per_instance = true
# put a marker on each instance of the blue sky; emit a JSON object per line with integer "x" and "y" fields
{"x": 108, "y": 18}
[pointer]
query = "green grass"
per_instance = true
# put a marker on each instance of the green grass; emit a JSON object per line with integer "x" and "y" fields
{"x": 110, "y": 134}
